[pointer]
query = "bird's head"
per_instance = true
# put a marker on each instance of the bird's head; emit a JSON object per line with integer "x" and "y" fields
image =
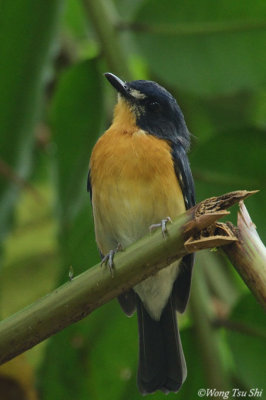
{"x": 152, "y": 108}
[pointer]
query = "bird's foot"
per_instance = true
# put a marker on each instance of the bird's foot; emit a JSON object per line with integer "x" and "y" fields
{"x": 108, "y": 259}
{"x": 161, "y": 225}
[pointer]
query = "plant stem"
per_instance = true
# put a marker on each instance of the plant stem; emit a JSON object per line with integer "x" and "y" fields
{"x": 207, "y": 337}
{"x": 193, "y": 28}
{"x": 236, "y": 326}
{"x": 248, "y": 255}
{"x": 99, "y": 12}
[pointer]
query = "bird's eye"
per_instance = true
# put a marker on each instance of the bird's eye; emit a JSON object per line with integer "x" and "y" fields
{"x": 154, "y": 106}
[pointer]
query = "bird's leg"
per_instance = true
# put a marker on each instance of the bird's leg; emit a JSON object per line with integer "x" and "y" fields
{"x": 161, "y": 225}
{"x": 108, "y": 259}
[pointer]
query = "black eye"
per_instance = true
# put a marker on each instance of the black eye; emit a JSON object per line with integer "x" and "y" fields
{"x": 154, "y": 106}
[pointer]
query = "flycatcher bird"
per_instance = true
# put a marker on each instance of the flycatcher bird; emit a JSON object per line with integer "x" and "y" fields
{"x": 140, "y": 176}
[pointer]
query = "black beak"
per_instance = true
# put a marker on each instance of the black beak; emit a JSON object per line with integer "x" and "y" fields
{"x": 118, "y": 84}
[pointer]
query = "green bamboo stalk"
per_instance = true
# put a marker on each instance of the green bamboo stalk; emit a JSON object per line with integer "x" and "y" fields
{"x": 80, "y": 296}
{"x": 248, "y": 255}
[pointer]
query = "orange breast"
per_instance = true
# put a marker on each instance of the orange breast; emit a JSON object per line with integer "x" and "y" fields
{"x": 133, "y": 185}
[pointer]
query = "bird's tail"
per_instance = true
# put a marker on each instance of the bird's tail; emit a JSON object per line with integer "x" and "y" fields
{"x": 162, "y": 364}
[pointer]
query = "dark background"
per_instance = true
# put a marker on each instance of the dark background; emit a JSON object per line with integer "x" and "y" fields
{"x": 54, "y": 103}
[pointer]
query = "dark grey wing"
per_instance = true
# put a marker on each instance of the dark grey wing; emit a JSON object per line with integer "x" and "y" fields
{"x": 126, "y": 300}
{"x": 181, "y": 288}
{"x": 184, "y": 175}
{"x": 89, "y": 188}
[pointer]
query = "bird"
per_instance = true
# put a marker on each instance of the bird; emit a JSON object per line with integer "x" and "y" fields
{"x": 140, "y": 177}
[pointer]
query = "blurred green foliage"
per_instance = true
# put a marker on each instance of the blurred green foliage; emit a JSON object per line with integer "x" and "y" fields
{"x": 54, "y": 104}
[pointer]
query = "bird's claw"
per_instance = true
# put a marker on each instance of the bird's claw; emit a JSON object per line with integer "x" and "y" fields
{"x": 161, "y": 225}
{"x": 108, "y": 259}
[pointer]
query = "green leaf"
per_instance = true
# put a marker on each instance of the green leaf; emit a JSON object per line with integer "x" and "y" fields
{"x": 248, "y": 349}
{"x": 127, "y": 8}
{"x": 27, "y": 31}
{"x": 235, "y": 156}
{"x": 202, "y": 48}
{"x": 76, "y": 116}
{"x": 230, "y": 161}
{"x": 116, "y": 348}
{"x": 93, "y": 359}
{"x": 260, "y": 109}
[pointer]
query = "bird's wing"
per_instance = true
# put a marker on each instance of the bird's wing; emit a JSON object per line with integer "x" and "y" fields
{"x": 181, "y": 288}
{"x": 184, "y": 175}
{"x": 89, "y": 188}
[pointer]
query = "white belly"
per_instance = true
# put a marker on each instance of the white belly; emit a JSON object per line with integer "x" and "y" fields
{"x": 155, "y": 290}
{"x": 130, "y": 225}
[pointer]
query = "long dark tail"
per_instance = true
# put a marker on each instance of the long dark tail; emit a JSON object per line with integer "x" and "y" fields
{"x": 162, "y": 364}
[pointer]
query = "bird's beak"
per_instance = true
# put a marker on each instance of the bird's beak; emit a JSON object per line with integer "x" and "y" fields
{"x": 118, "y": 84}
